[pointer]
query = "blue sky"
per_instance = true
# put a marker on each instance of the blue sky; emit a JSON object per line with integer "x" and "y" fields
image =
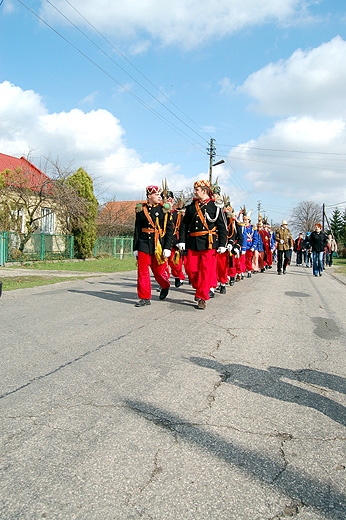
{"x": 134, "y": 91}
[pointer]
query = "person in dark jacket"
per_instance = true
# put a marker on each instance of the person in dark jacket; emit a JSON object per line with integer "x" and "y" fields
{"x": 298, "y": 249}
{"x": 202, "y": 233}
{"x": 152, "y": 244}
{"x": 234, "y": 244}
{"x": 318, "y": 241}
{"x": 307, "y": 250}
{"x": 175, "y": 261}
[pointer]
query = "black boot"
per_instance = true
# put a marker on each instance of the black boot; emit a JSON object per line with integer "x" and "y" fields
{"x": 163, "y": 293}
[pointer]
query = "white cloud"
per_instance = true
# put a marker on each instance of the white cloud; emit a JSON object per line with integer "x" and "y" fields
{"x": 311, "y": 82}
{"x": 92, "y": 140}
{"x": 302, "y": 156}
{"x": 298, "y": 158}
{"x": 7, "y": 7}
{"x": 139, "y": 47}
{"x": 186, "y": 23}
{"x": 90, "y": 98}
{"x": 226, "y": 86}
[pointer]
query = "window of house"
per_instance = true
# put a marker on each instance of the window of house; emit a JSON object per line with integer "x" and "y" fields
{"x": 47, "y": 221}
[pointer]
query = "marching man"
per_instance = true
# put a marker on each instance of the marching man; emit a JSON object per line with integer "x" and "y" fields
{"x": 203, "y": 233}
{"x": 152, "y": 245}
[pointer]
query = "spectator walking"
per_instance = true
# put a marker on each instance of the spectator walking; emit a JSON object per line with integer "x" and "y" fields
{"x": 332, "y": 249}
{"x": 318, "y": 242}
{"x": 284, "y": 246}
{"x": 298, "y": 249}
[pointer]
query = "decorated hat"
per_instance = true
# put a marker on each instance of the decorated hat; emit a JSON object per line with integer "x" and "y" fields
{"x": 202, "y": 184}
{"x": 152, "y": 190}
{"x": 284, "y": 222}
{"x": 246, "y": 214}
{"x": 180, "y": 201}
{"x": 166, "y": 193}
{"x": 215, "y": 188}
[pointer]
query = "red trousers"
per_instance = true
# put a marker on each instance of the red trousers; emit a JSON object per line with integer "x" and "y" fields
{"x": 176, "y": 269}
{"x": 268, "y": 257}
{"x": 160, "y": 272}
{"x": 240, "y": 264}
{"x": 248, "y": 260}
{"x": 261, "y": 260}
{"x": 232, "y": 270}
{"x": 222, "y": 265}
{"x": 200, "y": 267}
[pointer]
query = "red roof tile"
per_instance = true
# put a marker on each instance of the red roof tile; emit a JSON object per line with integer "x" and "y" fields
{"x": 122, "y": 211}
{"x": 34, "y": 178}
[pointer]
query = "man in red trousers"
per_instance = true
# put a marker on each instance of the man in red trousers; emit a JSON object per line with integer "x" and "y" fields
{"x": 152, "y": 244}
{"x": 203, "y": 233}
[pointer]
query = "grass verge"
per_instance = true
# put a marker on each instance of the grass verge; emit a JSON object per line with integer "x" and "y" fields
{"x": 10, "y": 283}
{"x": 340, "y": 265}
{"x": 98, "y": 265}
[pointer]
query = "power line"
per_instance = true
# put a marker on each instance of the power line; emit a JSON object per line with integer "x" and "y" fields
{"x": 281, "y": 150}
{"x": 117, "y": 64}
{"x": 132, "y": 65}
{"x": 281, "y": 163}
{"x": 153, "y": 111}
{"x": 336, "y": 204}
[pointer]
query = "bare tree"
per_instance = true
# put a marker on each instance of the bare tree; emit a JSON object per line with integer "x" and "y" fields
{"x": 24, "y": 194}
{"x": 304, "y": 216}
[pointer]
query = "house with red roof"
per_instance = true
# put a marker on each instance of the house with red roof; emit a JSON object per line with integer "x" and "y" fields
{"x": 20, "y": 173}
{"x": 117, "y": 218}
{"x": 26, "y": 196}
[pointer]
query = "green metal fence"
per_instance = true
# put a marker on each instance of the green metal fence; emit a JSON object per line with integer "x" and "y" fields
{"x": 39, "y": 247}
{"x": 2, "y": 249}
{"x": 118, "y": 247}
{"x": 58, "y": 247}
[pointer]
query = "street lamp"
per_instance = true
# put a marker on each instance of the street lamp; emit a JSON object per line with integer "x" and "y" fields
{"x": 211, "y": 169}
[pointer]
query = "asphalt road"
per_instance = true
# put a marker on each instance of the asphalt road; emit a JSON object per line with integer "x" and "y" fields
{"x": 111, "y": 412}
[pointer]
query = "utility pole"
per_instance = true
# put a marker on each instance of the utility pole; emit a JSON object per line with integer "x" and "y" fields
{"x": 211, "y": 151}
{"x": 323, "y": 215}
{"x": 258, "y": 210}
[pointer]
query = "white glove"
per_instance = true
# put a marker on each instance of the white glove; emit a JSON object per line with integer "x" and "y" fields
{"x": 252, "y": 249}
{"x": 135, "y": 254}
{"x": 222, "y": 250}
{"x": 181, "y": 246}
{"x": 282, "y": 241}
{"x": 229, "y": 247}
{"x": 167, "y": 253}
{"x": 243, "y": 252}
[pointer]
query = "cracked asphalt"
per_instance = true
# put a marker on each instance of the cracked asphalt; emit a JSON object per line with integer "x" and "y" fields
{"x": 111, "y": 412}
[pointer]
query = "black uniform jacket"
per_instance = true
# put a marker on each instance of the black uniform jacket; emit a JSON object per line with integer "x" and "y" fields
{"x": 176, "y": 220}
{"x": 145, "y": 241}
{"x": 234, "y": 232}
{"x": 192, "y": 223}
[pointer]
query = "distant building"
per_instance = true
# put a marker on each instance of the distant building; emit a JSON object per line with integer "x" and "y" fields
{"x": 117, "y": 218}
{"x": 26, "y": 189}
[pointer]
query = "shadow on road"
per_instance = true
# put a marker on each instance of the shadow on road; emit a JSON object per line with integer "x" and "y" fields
{"x": 310, "y": 491}
{"x": 270, "y": 383}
